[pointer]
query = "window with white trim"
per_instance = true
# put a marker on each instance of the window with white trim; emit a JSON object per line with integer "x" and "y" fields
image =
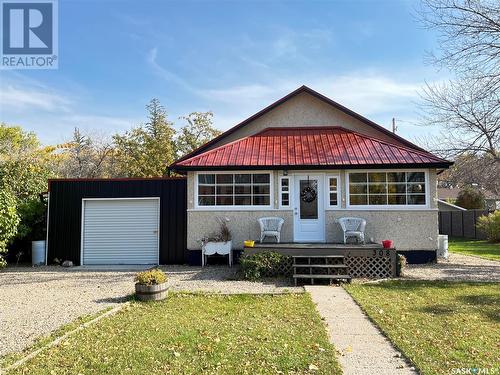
{"x": 333, "y": 191}
{"x": 234, "y": 189}
{"x": 387, "y": 188}
{"x": 284, "y": 192}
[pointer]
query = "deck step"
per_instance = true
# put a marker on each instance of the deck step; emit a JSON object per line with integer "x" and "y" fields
{"x": 320, "y": 265}
{"x": 333, "y": 277}
{"x": 318, "y": 256}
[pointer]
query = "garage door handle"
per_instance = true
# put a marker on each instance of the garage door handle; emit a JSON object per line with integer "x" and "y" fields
{"x": 155, "y": 231}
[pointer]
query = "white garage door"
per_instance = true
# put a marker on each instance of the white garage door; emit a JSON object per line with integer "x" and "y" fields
{"x": 120, "y": 231}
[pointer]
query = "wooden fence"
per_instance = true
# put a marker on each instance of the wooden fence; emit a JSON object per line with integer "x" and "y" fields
{"x": 461, "y": 223}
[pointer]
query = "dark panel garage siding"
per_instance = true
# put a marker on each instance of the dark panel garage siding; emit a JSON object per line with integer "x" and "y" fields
{"x": 65, "y": 213}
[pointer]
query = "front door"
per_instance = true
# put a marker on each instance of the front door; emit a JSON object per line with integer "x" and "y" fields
{"x": 309, "y": 212}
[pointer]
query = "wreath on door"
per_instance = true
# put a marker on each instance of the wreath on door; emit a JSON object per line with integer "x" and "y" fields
{"x": 308, "y": 194}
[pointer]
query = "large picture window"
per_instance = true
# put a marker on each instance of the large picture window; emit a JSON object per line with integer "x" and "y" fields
{"x": 238, "y": 189}
{"x": 387, "y": 189}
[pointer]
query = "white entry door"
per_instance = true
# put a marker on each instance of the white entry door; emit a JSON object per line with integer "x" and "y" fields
{"x": 120, "y": 231}
{"x": 309, "y": 210}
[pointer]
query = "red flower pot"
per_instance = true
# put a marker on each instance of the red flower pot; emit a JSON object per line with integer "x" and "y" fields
{"x": 387, "y": 244}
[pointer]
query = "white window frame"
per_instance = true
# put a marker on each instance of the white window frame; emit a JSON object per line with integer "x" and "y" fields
{"x": 290, "y": 192}
{"x": 425, "y": 206}
{"x": 328, "y": 206}
{"x": 234, "y": 207}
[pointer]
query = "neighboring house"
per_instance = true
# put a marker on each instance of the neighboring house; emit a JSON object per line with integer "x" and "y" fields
{"x": 449, "y": 195}
{"x": 304, "y": 158}
{"x": 304, "y": 143}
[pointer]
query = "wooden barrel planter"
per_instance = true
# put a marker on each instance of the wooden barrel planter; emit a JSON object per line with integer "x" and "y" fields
{"x": 155, "y": 292}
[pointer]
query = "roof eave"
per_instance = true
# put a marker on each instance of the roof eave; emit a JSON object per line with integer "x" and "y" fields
{"x": 181, "y": 168}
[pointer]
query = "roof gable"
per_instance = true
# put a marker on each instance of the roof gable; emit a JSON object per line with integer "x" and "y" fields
{"x": 311, "y": 147}
{"x": 300, "y": 90}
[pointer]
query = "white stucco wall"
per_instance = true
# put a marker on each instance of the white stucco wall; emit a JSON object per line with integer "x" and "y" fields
{"x": 410, "y": 229}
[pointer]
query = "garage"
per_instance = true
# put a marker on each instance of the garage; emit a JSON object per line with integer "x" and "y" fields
{"x": 120, "y": 231}
{"x": 117, "y": 221}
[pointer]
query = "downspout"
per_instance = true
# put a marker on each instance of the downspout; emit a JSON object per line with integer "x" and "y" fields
{"x": 47, "y": 233}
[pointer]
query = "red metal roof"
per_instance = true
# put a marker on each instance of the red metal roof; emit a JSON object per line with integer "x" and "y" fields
{"x": 312, "y": 146}
{"x": 302, "y": 89}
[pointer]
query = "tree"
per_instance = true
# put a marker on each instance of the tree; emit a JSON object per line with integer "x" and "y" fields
{"x": 147, "y": 150}
{"x": 468, "y": 36}
{"x": 87, "y": 155}
{"x": 469, "y": 114}
{"x": 469, "y": 170}
{"x": 470, "y": 198}
{"x": 198, "y": 131}
{"x": 25, "y": 167}
{"x": 467, "y": 107}
{"x": 9, "y": 221}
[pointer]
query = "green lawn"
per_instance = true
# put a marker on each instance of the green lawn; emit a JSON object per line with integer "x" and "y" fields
{"x": 483, "y": 249}
{"x": 440, "y": 326}
{"x": 198, "y": 334}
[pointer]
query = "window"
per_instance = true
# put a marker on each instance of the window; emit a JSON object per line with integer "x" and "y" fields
{"x": 238, "y": 189}
{"x": 333, "y": 191}
{"x": 387, "y": 188}
{"x": 285, "y": 192}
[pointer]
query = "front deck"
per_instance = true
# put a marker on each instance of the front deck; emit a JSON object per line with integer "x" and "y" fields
{"x": 361, "y": 261}
{"x": 294, "y": 248}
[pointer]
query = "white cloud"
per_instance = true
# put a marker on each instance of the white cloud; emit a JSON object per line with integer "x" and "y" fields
{"x": 369, "y": 93}
{"x": 235, "y": 94}
{"x": 166, "y": 74}
{"x": 22, "y": 98}
{"x": 109, "y": 123}
{"x": 51, "y": 113}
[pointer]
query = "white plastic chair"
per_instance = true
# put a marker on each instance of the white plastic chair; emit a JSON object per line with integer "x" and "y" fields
{"x": 353, "y": 227}
{"x": 270, "y": 227}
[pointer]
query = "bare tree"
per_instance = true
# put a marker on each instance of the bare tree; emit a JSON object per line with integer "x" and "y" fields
{"x": 473, "y": 170}
{"x": 469, "y": 114}
{"x": 468, "y": 36}
{"x": 467, "y": 107}
{"x": 87, "y": 156}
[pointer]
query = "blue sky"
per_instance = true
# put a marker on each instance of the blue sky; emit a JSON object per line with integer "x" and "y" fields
{"x": 230, "y": 57}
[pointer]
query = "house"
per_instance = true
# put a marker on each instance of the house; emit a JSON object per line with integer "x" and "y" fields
{"x": 304, "y": 158}
{"x": 491, "y": 200}
{"x": 307, "y": 144}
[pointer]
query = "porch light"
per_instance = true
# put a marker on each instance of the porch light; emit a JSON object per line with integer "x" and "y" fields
{"x": 285, "y": 173}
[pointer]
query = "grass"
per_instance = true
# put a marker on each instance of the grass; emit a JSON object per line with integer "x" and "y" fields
{"x": 480, "y": 248}
{"x": 440, "y": 326}
{"x": 40, "y": 342}
{"x": 198, "y": 334}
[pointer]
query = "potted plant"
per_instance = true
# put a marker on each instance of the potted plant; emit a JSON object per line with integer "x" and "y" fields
{"x": 151, "y": 285}
{"x": 218, "y": 242}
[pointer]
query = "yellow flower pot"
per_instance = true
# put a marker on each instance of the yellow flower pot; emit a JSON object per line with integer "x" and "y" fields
{"x": 249, "y": 243}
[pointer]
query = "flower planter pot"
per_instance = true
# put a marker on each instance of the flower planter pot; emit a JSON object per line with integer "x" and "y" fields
{"x": 151, "y": 292}
{"x": 221, "y": 248}
{"x": 387, "y": 244}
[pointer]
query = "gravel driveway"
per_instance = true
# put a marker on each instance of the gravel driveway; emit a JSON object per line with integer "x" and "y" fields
{"x": 36, "y": 301}
{"x": 458, "y": 267}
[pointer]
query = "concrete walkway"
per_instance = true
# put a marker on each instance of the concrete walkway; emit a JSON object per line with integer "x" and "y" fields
{"x": 362, "y": 348}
